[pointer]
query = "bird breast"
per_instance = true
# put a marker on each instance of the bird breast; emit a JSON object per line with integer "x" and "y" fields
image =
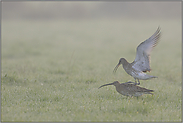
{"x": 124, "y": 93}
{"x": 128, "y": 68}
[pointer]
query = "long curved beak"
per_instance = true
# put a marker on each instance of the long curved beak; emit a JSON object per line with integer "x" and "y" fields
{"x": 116, "y": 67}
{"x": 106, "y": 85}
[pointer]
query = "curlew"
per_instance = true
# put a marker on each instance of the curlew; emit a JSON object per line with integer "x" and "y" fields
{"x": 138, "y": 68}
{"x": 128, "y": 89}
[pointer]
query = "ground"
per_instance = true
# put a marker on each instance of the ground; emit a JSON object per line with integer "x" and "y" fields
{"x": 51, "y": 70}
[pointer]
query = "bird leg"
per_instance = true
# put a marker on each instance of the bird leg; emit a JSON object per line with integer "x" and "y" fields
{"x": 135, "y": 82}
{"x": 138, "y": 82}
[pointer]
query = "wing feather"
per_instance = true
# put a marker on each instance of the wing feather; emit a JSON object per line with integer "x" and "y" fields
{"x": 142, "y": 59}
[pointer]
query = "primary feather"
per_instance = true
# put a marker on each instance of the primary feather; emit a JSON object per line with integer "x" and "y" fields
{"x": 142, "y": 59}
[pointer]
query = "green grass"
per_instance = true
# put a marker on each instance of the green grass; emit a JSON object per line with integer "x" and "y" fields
{"x": 51, "y": 70}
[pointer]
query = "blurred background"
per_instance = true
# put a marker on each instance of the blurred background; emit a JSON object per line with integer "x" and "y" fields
{"x": 55, "y": 55}
{"x": 90, "y": 9}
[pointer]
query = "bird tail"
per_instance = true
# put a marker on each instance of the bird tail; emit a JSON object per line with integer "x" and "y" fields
{"x": 149, "y": 93}
{"x": 154, "y": 77}
{"x": 149, "y": 77}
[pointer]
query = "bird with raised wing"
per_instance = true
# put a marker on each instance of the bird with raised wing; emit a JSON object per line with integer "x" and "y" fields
{"x": 138, "y": 68}
{"x": 128, "y": 89}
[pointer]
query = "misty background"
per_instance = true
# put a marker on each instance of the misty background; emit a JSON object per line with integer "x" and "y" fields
{"x": 90, "y": 9}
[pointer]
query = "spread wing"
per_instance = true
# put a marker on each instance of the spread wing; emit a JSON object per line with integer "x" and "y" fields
{"x": 142, "y": 60}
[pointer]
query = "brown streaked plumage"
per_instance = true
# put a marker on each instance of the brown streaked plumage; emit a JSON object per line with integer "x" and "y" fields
{"x": 141, "y": 64}
{"x": 128, "y": 89}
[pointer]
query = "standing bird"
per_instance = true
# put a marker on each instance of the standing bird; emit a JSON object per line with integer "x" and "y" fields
{"x": 141, "y": 64}
{"x": 127, "y": 89}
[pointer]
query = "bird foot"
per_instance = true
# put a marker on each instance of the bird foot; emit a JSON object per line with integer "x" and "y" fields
{"x": 132, "y": 83}
{"x": 135, "y": 83}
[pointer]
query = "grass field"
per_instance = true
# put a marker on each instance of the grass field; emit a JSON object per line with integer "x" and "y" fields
{"x": 51, "y": 70}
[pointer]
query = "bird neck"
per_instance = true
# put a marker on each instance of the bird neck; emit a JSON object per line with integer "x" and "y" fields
{"x": 124, "y": 62}
{"x": 117, "y": 85}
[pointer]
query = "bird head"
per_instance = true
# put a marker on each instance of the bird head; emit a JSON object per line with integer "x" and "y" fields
{"x": 121, "y": 61}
